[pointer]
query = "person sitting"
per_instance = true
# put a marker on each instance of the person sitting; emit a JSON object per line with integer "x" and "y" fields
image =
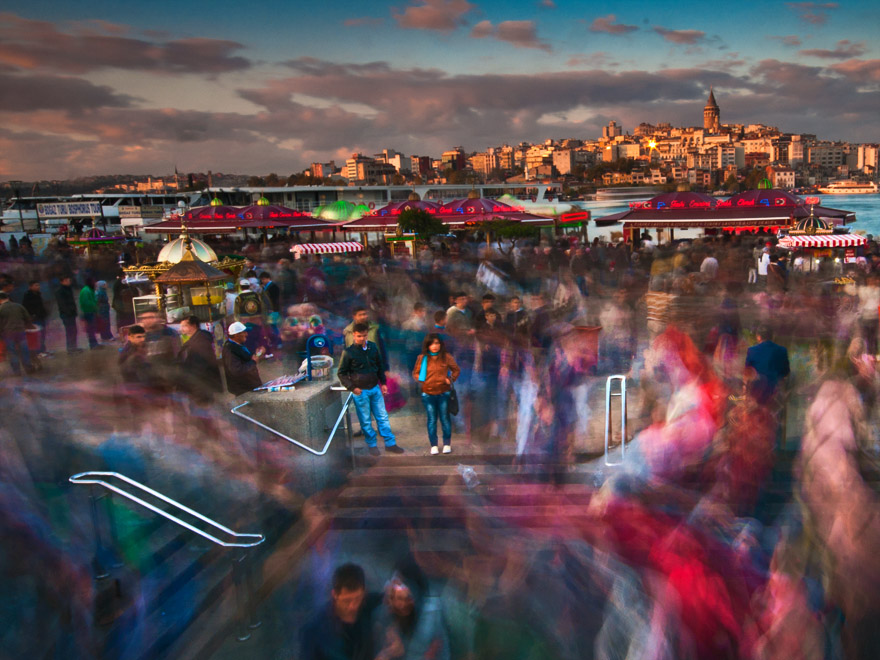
{"x": 239, "y": 364}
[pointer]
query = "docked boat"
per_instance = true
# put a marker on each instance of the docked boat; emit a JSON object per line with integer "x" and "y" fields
{"x": 848, "y": 188}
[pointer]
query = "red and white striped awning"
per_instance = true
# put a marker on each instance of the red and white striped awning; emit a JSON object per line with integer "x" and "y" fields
{"x": 822, "y": 241}
{"x": 326, "y": 248}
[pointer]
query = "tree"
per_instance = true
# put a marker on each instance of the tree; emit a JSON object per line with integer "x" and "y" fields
{"x": 255, "y": 181}
{"x": 421, "y": 223}
{"x": 731, "y": 184}
{"x": 502, "y": 230}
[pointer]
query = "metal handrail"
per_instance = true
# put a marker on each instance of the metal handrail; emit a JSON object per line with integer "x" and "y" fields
{"x": 95, "y": 478}
{"x": 622, "y": 395}
{"x": 342, "y": 413}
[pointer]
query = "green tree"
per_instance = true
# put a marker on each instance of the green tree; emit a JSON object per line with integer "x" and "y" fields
{"x": 731, "y": 184}
{"x": 255, "y": 181}
{"x": 511, "y": 230}
{"x": 273, "y": 180}
{"x": 421, "y": 223}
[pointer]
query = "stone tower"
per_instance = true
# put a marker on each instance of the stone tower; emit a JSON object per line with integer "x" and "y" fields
{"x": 711, "y": 114}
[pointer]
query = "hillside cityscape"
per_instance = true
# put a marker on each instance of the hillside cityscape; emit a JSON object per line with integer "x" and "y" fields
{"x": 714, "y": 156}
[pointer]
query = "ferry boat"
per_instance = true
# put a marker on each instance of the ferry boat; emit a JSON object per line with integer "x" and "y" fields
{"x": 848, "y": 188}
{"x": 114, "y": 209}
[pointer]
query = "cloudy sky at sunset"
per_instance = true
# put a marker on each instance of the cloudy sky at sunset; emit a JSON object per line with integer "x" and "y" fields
{"x": 97, "y": 87}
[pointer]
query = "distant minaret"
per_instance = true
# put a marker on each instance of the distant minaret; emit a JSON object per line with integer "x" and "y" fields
{"x": 711, "y": 114}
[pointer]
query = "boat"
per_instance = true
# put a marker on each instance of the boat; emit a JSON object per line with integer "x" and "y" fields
{"x": 848, "y": 187}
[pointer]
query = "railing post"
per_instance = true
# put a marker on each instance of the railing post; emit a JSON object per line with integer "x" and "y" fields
{"x": 100, "y": 572}
{"x": 622, "y": 394}
{"x": 244, "y": 594}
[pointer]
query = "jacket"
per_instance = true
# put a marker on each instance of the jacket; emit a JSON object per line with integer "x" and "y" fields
{"x": 87, "y": 301}
{"x": 373, "y": 335}
{"x": 361, "y": 367}
{"x": 201, "y": 375}
{"x": 66, "y": 302}
{"x": 241, "y": 370}
{"x": 33, "y": 303}
{"x": 439, "y": 368}
{"x": 13, "y": 318}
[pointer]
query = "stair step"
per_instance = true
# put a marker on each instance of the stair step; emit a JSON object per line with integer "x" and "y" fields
{"x": 543, "y": 516}
{"x": 524, "y": 494}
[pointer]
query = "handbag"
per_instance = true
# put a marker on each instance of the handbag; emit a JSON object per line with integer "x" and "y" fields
{"x": 452, "y": 407}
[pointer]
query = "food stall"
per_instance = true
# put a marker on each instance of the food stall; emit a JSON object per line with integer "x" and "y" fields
{"x": 325, "y": 248}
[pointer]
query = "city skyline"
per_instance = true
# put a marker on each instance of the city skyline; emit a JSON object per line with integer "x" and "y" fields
{"x": 99, "y": 88}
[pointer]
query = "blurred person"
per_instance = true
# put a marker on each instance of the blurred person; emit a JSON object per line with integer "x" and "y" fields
{"x": 68, "y": 311}
{"x": 491, "y": 351}
{"x": 412, "y": 622}
{"x": 271, "y": 291}
{"x": 14, "y": 320}
{"x": 88, "y": 307}
{"x": 709, "y": 266}
{"x": 374, "y": 332}
{"x": 248, "y": 307}
{"x": 123, "y": 302}
{"x": 362, "y": 372}
{"x": 869, "y": 311}
{"x": 163, "y": 343}
{"x": 103, "y": 313}
{"x": 517, "y": 322}
{"x": 440, "y": 321}
{"x": 33, "y": 302}
{"x": 487, "y": 302}
{"x": 436, "y": 370}
{"x": 460, "y": 331}
{"x": 762, "y": 267}
{"x": 239, "y": 364}
{"x": 343, "y": 628}
{"x": 459, "y": 320}
{"x": 286, "y": 278}
{"x": 843, "y": 509}
{"x": 770, "y": 362}
{"x": 134, "y": 367}
{"x": 198, "y": 361}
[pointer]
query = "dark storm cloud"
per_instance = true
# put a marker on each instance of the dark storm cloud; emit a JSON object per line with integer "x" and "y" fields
{"x": 45, "y": 92}
{"x": 39, "y": 45}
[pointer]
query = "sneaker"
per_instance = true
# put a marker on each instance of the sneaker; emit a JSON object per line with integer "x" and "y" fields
{"x": 394, "y": 449}
{"x": 447, "y": 449}
{"x": 374, "y": 451}
{"x": 434, "y": 451}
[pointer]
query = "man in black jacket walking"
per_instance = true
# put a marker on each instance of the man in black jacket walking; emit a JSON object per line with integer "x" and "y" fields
{"x": 200, "y": 374}
{"x": 239, "y": 364}
{"x": 362, "y": 371}
{"x": 67, "y": 311}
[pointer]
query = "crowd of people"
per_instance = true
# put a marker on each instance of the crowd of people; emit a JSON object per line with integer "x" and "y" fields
{"x": 736, "y": 352}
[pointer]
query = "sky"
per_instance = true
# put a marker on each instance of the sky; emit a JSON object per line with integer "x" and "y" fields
{"x": 97, "y": 87}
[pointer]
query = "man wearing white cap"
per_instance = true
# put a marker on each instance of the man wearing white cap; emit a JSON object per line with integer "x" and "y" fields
{"x": 239, "y": 364}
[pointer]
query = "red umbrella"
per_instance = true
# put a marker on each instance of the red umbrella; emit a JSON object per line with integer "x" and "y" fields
{"x": 302, "y": 222}
{"x": 473, "y": 210}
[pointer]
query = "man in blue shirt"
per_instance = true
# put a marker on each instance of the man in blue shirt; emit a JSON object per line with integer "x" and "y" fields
{"x": 770, "y": 362}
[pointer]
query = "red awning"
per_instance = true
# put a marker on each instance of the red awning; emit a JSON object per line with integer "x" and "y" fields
{"x": 326, "y": 248}
{"x": 822, "y": 241}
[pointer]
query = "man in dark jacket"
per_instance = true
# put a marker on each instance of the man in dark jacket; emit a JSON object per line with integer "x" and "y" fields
{"x": 200, "y": 373}
{"x": 67, "y": 311}
{"x": 14, "y": 320}
{"x": 343, "y": 629}
{"x": 770, "y": 362}
{"x": 362, "y": 372}
{"x": 32, "y": 301}
{"x": 239, "y": 364}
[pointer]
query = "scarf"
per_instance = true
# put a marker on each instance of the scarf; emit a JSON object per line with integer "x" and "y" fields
{"x": 423, "y": 370}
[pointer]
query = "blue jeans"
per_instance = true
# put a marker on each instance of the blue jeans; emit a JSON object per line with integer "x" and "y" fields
{"x": 437, "y": 405}
{"x": 372, "y": 401}
{"x": 17, "y": 350}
